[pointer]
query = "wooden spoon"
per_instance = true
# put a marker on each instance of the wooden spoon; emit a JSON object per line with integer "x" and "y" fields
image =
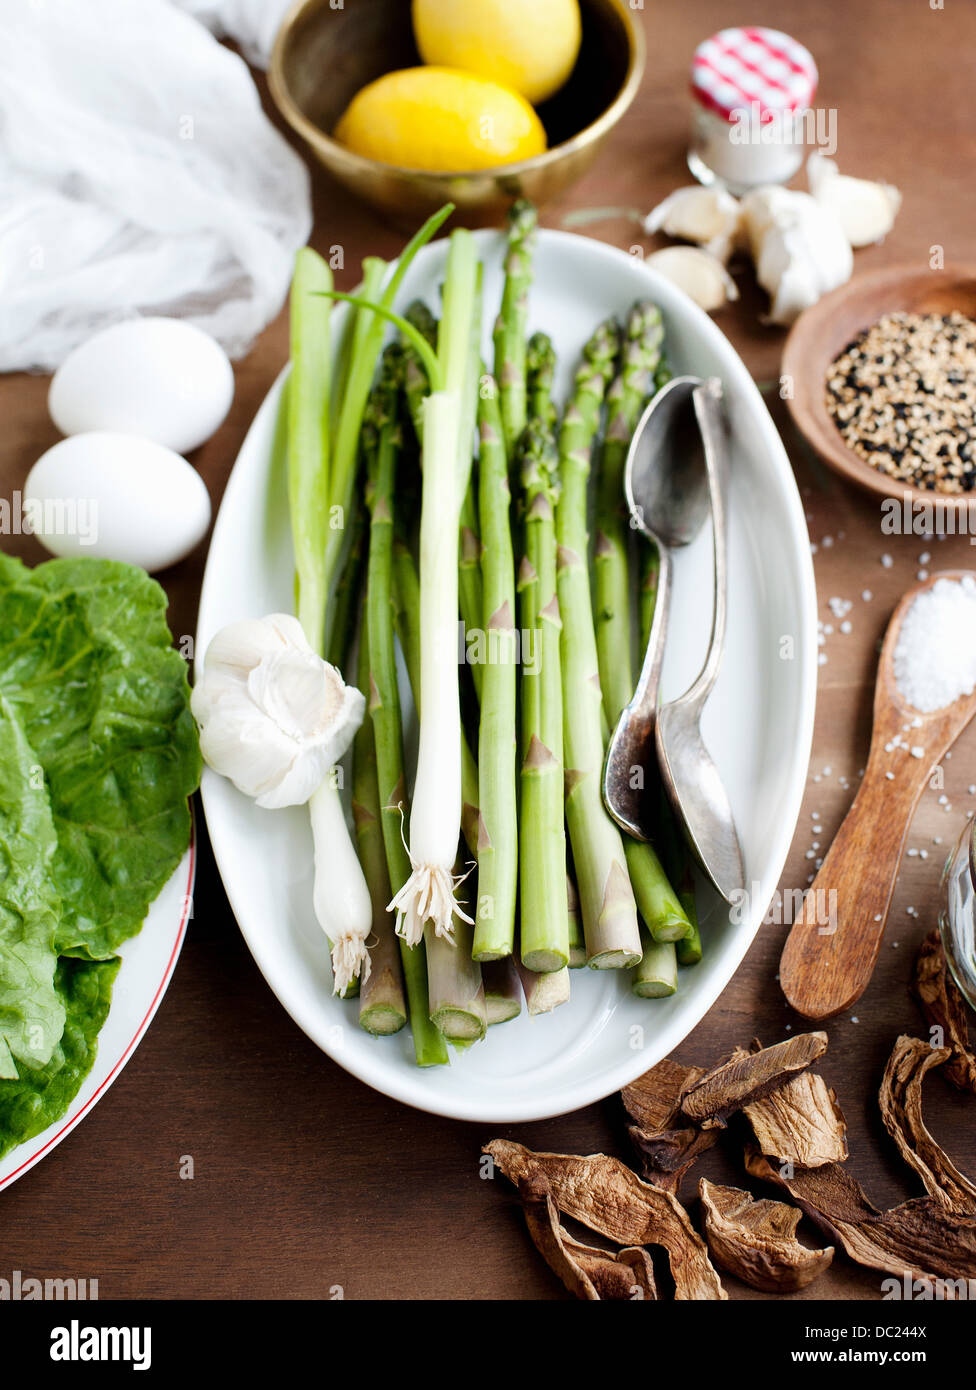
{"x": 830, "y": 953}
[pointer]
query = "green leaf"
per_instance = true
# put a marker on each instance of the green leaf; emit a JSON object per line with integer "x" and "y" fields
{"x": 103, "y": 699}
{"x": 39, "y": 1097}
{"x": 31, "y": 1011}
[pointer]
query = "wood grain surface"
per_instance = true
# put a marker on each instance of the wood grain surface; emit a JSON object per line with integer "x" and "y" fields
{"x": 307, "y": 1183}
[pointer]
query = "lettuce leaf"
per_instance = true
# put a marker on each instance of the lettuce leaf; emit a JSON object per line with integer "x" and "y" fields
{"x": 39, "y": 1097}
{"x": 103, "y": 698}
{"x": 31, "y": 1010}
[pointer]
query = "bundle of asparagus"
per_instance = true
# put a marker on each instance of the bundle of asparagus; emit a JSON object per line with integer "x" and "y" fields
{"x": 542, "y": 879}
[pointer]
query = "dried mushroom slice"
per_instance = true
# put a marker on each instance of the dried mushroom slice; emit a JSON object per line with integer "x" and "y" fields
{"x": 653, "y": 1101}
{"x": 586, "y": 1271}
{"x": 939, "y": 998}
{"x": 607, "y": 1196}
{"x": 666, "y": 1147}
{"x": 666, "y": 1155}
{"x": 801, "y": 1123}
{"x": 900, "y": 1098}
{"x": 756, "y": 1240}
{"x": 919, "y": 1238}
{"x": 748, "y": 1076}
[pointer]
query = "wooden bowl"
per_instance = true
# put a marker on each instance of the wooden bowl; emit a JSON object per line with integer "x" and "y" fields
{"x": 821, "y": 333}
{"x": 323, "y": 56}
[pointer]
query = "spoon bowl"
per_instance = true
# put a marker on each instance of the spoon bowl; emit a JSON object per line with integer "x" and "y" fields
{"x": 674, "y": 478}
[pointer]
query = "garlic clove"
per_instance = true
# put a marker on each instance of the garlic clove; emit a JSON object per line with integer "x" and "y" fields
{"x": 707, "y": 216}
{"x": 274, "y": 717}
{"x": 702, "y": 277}
{"x": 799, "y": 248}
{"x": 866, "y": 210}
{"x": 239, "y": 647}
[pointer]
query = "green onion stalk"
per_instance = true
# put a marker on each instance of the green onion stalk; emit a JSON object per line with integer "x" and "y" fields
{"x": 367, "y": 339}
{"x": 340, "y": 894}
{"x": 497, "y": 847}
{"x": 415, "y": 388}
{"x": 384, "y": 700}
{"x": 607, "y": 902}
{"x": 428, "y": 895}
{"x": 541, "y": 825}
{"x": 640, "y": 358}
{"x": 453, "y": 976}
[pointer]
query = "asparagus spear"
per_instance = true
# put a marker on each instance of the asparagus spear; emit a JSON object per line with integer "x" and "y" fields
{"x": 383, "y": 701}
{"x": 606, "y": 898}
{"x": 382, "y": 1009}
{"x": 657, "y": 972}
{"x": 348, "y": 591}
{"x": 497, "y": 847}
{"x": 640, "y": 359}
{"x": 503, "y": 995}
{"x": 577, "y": 942}
{"x": 546, "y": 991}
{"x": 633, "y": 385}
{"x": 542, "y": 836}
{"x": 457, "y": 994}
{"x": 510, "y": 327}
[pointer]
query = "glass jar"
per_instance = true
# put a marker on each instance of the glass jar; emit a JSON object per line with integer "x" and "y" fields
{"x": 957, "y": 918}
{"x": 752, "y": 89}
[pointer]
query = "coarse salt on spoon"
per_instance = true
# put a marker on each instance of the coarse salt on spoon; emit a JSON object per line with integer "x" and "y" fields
{"x": 830, "y": 954}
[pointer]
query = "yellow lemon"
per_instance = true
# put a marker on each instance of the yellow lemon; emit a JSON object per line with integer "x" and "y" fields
{"x": 440, "y": 120}
{"x": 528, "y": 45}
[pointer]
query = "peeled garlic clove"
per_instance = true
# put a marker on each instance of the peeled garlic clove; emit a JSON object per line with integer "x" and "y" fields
{"x": 707, "y": 216}
{"x": 866, "y": 210}
{"x": 799, "y": 247}
{"x": 702, "y": 277}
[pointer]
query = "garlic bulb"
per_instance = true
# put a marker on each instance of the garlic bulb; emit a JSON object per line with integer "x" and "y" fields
{"x": 273, "y": 716}
{"x": 799, "y": 247}
{"x": 707, "y": 216}
{"x": 703, "y": 278}
{"x": 866, "y": 210}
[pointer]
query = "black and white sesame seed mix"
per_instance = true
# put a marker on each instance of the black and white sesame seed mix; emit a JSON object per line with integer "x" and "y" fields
{"x": 903, "y": 395}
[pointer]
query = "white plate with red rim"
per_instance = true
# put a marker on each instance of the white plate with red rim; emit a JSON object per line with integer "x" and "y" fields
{"x": 148, "y": 962}
{"x": 758, "y": 723}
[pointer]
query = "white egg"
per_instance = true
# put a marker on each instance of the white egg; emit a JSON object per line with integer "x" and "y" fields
{"x": 161, "y": 378}
{"x": 116, "y": 496}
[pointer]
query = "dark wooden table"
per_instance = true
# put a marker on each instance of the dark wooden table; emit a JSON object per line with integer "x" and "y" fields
{"x": 306, "y": 1183}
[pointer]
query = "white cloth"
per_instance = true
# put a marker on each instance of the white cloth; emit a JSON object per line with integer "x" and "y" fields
{"x": 250, "y": 23}
{"x": 138, "y": 174}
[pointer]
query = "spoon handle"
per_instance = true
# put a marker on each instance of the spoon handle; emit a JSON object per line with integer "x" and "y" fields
{"x": 832, "y": 948}
{"x": 708, "y": 411}
{"x": 632, "y": 745}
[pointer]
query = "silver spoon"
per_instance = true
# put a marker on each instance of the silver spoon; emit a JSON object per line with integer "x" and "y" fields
{"x": 674, "y": 476}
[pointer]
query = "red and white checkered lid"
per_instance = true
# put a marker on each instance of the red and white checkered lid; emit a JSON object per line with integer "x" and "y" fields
{"x": 737, "y": 67}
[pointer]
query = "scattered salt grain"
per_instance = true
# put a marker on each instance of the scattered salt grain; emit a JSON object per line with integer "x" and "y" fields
{"x": 867, "y": 595}
{"x": 887, "y": 561}
{"x": 845, "y": 628}
{"x": 935, "y": 659}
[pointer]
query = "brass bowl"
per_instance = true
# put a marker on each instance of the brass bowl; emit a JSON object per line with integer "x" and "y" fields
{"x": 323, "y": 56}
